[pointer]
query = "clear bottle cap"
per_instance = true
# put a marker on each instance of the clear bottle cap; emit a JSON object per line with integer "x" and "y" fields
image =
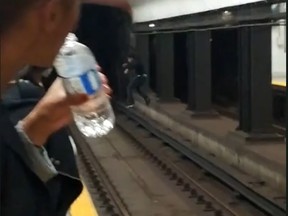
{"x": 71, "y": 37}
{"x": 68, "y": 44}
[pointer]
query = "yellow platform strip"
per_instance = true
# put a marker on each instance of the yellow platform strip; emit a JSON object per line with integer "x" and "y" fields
{"x": 83, "y": 205}
{"x": 279, "y": 83}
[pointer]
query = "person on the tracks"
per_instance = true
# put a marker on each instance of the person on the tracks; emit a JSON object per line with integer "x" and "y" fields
{"x": 134, "y": 69}
{"x": 32, "y": 31}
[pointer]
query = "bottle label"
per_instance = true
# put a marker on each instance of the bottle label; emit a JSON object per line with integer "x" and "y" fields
{"x": 87, "y": 83}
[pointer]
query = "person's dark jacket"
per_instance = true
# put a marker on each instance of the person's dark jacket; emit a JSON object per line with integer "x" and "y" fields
{"x": 136, "y": 67}
{"x": 22, "y": 193}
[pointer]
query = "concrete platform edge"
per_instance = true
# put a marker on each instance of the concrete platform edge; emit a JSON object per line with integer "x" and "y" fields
{"x": 234, "y": 154}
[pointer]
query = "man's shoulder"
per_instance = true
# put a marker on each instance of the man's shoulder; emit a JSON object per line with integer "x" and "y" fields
{"x": 5, "y": 128}
{"x": 3, "y": 113}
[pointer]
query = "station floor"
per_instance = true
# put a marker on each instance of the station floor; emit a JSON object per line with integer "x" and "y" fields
{"x": 83, "y": 206}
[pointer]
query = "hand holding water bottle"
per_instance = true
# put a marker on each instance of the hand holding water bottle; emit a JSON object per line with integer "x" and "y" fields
{"x": 54, "y": 111}
{"x": 76, "y": 65}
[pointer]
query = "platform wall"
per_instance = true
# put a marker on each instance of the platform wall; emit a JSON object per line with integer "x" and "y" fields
{"x": 279, "y": 51}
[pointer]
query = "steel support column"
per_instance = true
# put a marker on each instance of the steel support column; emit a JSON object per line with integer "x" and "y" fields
{"x": 165, "y": 66}
{"x": 255, "y": 80}
{"x": 199, "y": 72}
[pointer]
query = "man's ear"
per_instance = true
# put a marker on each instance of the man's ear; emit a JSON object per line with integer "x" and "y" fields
{"x": 50, "y": 15}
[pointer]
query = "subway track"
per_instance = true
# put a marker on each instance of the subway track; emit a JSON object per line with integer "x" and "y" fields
{"x": 137, "y": 171}
{"x": 105, "y": 196}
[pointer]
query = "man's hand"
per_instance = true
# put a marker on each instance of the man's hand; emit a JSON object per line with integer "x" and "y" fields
{"x": 53, "y": 111}
{"x": 104, "y": 80}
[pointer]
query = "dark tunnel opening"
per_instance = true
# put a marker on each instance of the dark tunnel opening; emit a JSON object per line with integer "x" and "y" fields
{"x": 152, "y": 60}
{"x": 180, "y": 67}
{"x": 106, "y": 31}
{"x": 224, "y": 60}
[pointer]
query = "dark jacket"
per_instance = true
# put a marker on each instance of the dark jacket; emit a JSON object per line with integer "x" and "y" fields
{"x": 135, "y": 67}
{"x": 22, "y": 193}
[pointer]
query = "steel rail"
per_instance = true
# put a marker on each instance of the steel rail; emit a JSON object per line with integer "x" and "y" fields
{"x": 258, "y": 200}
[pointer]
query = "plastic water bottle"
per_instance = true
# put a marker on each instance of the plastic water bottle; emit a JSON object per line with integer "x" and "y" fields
{"x": 76, "y": 65}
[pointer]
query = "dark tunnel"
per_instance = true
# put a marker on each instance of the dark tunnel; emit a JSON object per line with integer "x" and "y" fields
{"x": 180, "y": 67}
{"x": 224, "y": 57}
{"x": 106, "y": 31}
{"x": 152, "y": 60}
